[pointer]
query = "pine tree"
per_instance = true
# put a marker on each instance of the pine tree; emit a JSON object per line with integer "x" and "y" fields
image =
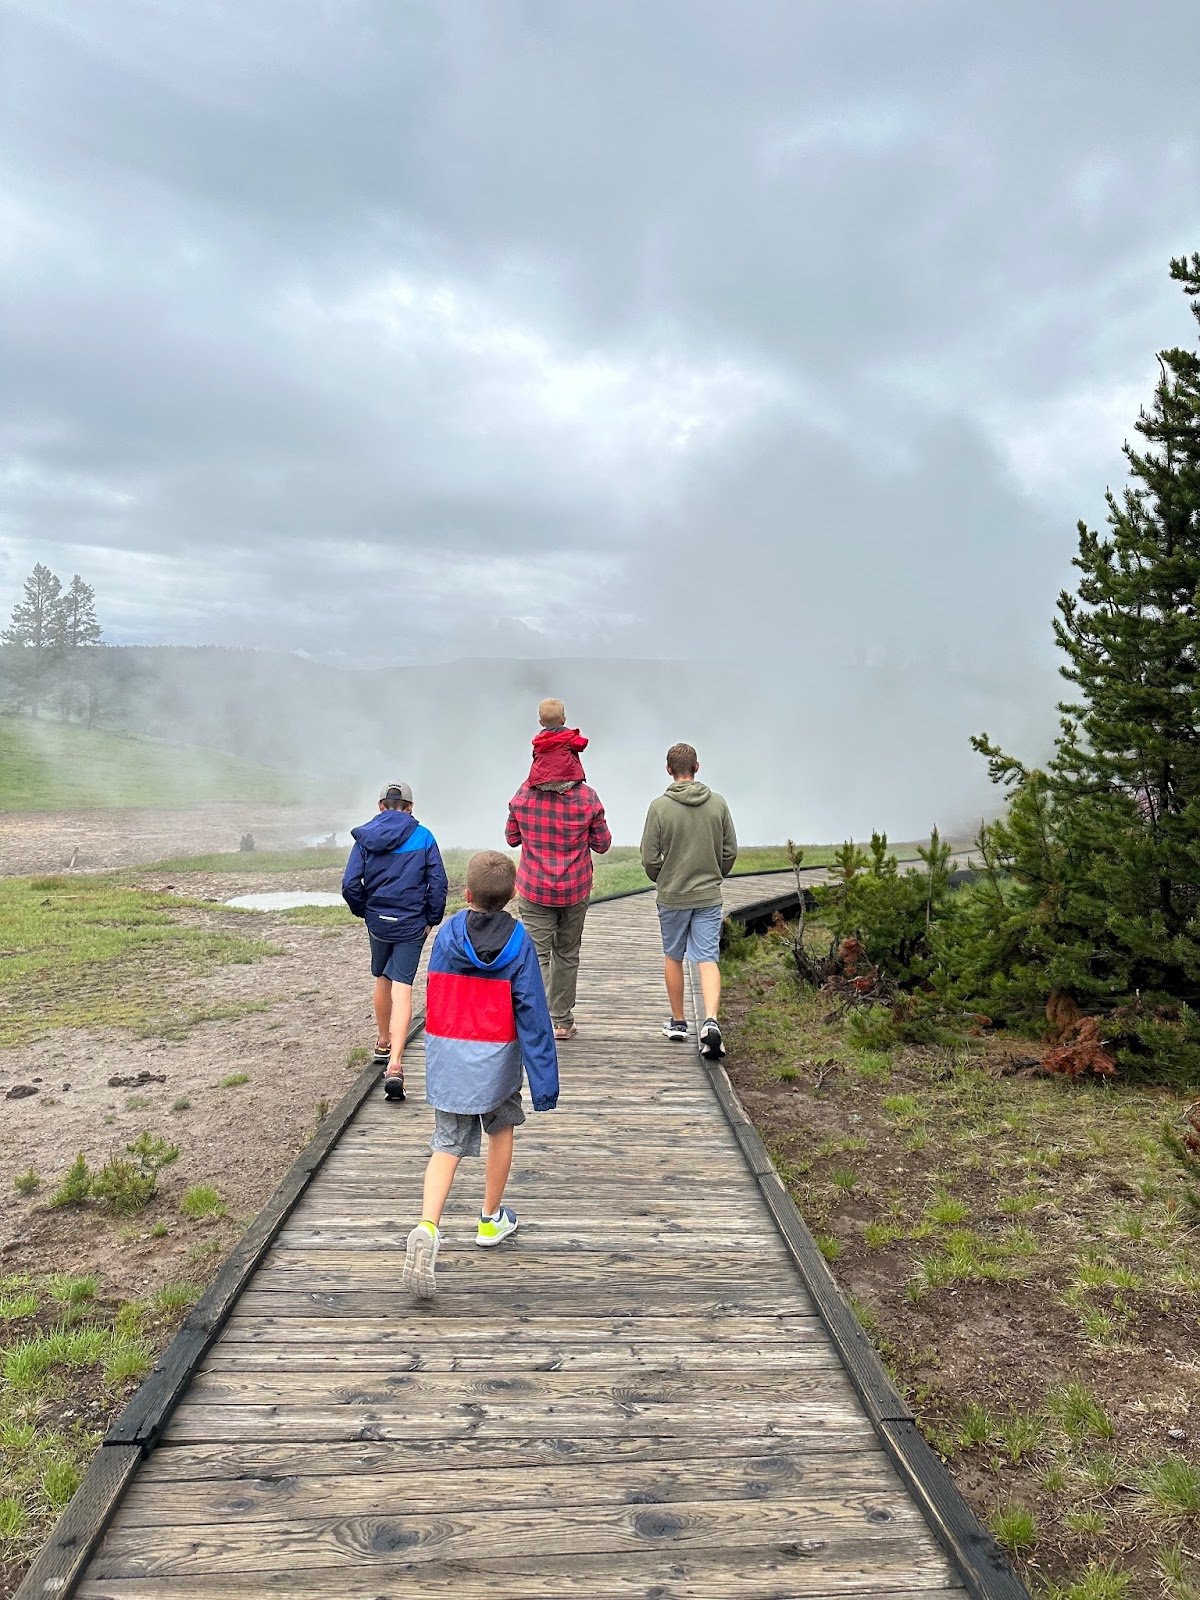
{"x": 78, "y": 615}
{"x": 36, "y": 629}
{"x": 78, "y": 629}
{"x": 1128, "y": 761}
{"x": 1103, "y": 848}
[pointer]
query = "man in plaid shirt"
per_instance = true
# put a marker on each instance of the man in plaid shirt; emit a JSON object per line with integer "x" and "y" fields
{"x": 558, "y": 826}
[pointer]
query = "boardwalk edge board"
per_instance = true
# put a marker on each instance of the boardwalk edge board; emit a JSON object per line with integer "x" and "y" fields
{"x": 59, "y": 1564}
{"x": 985, "y": 1570}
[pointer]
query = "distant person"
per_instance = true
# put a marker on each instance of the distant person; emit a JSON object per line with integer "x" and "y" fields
{"x": 558, "y": 822}
{"x": 396, "y": 881}
{"x": 688, "y": 847}
{"x": 485, "y": 1018}
{"x": 556, "y": 749}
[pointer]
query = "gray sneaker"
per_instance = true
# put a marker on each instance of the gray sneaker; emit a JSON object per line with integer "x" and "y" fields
{"x": 675, "y": 1030}
{"x": 417, "y": 1273}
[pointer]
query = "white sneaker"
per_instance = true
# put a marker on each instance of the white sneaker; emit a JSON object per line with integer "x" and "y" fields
{"x": 492, "y": 1229}
{"x": 417, "y": 1274}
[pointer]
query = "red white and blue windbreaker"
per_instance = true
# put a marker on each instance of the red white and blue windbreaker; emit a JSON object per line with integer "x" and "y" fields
{"x": 483, "y": 1019}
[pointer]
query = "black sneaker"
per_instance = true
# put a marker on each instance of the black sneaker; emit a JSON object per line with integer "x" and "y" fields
{"x": 712, "y": 1046}
{"x": 382, "y": 1055}
{"x": 675, "y": 1030}
{"x": 393, "y": 1085}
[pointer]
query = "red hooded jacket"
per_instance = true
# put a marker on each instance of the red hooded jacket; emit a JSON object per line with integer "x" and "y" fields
{"x": 555, "y": 756}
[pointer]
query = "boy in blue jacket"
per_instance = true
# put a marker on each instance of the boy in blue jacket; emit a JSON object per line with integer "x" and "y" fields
{"x": 395, "y": 880}
{"x": 485, "y": 1015}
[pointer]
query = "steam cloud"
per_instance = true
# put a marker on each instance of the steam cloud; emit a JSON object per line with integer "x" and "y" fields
{"x": 737, "y": 373}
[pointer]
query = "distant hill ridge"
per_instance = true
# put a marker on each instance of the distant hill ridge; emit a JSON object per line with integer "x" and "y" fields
{"x": 53, "y": 766}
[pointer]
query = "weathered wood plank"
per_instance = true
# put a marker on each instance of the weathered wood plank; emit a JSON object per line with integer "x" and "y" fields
{"x": 511, "y": 1305}
{"x": 864, "y": 1486}
{"x": 564, "y": 1239}
{"x": 525, "y": 1261}
{"x": 350, "y": 1355}
{"x": 243, "y": 1459}
{"x": 266, "y": 1420}
{"x": 710, "y": 1575}
{"x": 802, "y": 1392}
{"x": 478, "y": 1341}
{"x": 353, "y": 1542}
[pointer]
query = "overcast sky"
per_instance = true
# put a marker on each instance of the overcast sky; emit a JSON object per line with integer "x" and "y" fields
{"x": 577, "y": 327}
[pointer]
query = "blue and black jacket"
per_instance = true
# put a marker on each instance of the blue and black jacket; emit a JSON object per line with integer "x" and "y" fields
{"x": 395, "y": 877}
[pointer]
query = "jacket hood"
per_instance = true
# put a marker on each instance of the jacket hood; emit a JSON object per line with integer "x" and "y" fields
{"x": 463, "y": 949}
{"x": 385, "y": 832}
{"x": 488, "y": 934}
{"x": 689, "y": 793}
{"x": 553, "y": 738}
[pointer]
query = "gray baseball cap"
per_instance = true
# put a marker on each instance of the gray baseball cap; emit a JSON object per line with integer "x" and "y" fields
{"x": 397, "y": 791}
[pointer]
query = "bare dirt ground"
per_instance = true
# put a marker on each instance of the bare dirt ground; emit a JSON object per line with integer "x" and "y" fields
{"x": 97, "y": 1090}
{"x": 39, "y": 841}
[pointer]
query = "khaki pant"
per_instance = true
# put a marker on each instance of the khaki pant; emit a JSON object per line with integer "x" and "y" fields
{"x": 557, "y": 933}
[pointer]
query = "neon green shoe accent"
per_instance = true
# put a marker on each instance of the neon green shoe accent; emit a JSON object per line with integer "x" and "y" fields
{"x": 492, "y": 1229}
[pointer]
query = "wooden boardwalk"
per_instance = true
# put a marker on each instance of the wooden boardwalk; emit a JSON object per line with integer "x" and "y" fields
{"x": 631, "y": 1398}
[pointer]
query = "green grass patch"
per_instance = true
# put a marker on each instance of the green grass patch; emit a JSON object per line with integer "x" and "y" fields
{"x": 64, "y": 1375}
{"x": 1014, "y": 1526}
{"x": 202, "y": 1202}
{"x": 1172, "y": 1489}
{"x": 254, "y": 863}
{"x": 327, "y": 916}
{"x": 92, "y": 952}
{"x": 41, "y": 761}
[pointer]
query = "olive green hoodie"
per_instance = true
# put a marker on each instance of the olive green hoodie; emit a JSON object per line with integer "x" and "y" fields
{"x": 688, "y": 845}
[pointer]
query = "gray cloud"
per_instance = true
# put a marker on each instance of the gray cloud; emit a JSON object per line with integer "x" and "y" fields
{"x": 533, "y": 329}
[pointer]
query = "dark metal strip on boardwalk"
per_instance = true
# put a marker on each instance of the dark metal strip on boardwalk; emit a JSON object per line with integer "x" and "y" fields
{"x": 58, "y": 1565}
{"x": 986, "y": 1570}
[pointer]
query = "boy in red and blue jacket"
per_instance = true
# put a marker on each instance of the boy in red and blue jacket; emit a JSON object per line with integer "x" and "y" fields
{"x": 485, "y": 1017}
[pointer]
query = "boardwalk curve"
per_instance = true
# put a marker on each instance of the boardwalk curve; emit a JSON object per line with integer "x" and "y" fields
{"x": 638, "y": 1396}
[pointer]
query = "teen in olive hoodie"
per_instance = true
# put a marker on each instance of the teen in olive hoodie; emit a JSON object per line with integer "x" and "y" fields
{"x": 688, "y": 847}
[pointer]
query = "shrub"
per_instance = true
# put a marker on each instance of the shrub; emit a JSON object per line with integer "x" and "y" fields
{"x": 128, "y": 1183}
{"x": 76, "y": 1185}
{"x": 122, "y": 1186}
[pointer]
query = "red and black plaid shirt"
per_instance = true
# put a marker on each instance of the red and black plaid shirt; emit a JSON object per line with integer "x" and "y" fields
{"x": 557, "y": 834}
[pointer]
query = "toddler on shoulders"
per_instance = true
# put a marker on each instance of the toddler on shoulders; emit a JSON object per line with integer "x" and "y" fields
{"x": 556, "y": 750}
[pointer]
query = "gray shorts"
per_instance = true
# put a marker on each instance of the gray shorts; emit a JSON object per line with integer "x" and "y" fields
{"x": 457, "y": 1133}
{"x": 691, "y": 931}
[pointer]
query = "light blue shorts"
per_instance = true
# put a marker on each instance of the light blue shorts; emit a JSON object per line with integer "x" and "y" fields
{"x": 691, "y": 931}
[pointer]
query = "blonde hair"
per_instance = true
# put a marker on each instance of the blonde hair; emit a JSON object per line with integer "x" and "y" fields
{"x": 552, "y": 714}
{"x": 491, "y": 878}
